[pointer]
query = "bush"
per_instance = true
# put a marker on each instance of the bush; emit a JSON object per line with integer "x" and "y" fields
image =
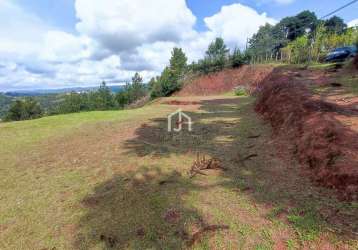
{"x": 237, "y": 59}
{"x": 241, "y": 91}
{"x": 24, "y": 110}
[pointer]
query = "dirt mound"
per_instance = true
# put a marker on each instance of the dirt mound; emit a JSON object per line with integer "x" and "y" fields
{"x": 320, "y": 140}
{"x": 225, "y": 81}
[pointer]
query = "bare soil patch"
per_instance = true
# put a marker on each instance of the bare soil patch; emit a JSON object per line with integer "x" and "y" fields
{"x": 177, "y": 102}
{"x": 225, "y": 81}
{"x": 320, "y": 140}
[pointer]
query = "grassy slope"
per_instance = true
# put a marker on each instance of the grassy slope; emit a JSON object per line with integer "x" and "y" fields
{"x": 24, "y": 133}
{"x": 30, "y": 193}
{"x": 102, "y": 179}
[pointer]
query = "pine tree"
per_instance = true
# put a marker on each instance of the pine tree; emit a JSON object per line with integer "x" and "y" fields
{"x": 170, "y": 79}
{"x": 104, "y": 98}
{"x": 217, "y": 54}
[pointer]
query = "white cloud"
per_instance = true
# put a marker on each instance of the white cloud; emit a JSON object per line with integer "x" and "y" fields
{"x": 353, "y": 23}
{"x": 20, "y": 33}
{"x": 235, "y": 23}
{"x": 115, "y": 39}
{"x": 64, "y": 47}
{"x": 127, "y": 24}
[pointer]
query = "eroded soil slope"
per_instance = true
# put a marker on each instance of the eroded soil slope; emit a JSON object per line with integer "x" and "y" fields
{"x": 225, "y": 81}
{"x": 313, "y": 111}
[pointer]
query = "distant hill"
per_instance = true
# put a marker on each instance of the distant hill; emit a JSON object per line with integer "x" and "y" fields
{"x": 39, "y": 92}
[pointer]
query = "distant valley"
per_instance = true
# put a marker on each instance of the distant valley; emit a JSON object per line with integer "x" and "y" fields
{"x": 48, "y": 98}
{"x": 38, "y": 92}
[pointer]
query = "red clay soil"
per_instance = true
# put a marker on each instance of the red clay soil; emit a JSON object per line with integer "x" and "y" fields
{"x": 323, "y": 133}
{"x": 225, "y": 81}
{"x": 321, "y": 142}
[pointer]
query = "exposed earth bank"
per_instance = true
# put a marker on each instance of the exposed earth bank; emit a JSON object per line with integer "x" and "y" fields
{"x": 225, "y": 81}
{"x": 313, "y": 114}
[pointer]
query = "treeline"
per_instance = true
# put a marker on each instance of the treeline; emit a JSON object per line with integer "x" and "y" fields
{"x": 218, "y": 57}
{"x": 299, "y": 39}
{"x": 99, "y": 100}
{"x": 103, "y": 99}
{"x": 307, "y": 48}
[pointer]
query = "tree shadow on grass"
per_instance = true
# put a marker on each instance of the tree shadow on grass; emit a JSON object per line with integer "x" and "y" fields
{"x": 218, "y": 118}
{"x": 229, "y": 130}
{"x": 147, "y": 209}
{"x": 140, "y": 210}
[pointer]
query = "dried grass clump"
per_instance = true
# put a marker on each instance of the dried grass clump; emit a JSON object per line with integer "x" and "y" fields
{"x": 201, "y": 164}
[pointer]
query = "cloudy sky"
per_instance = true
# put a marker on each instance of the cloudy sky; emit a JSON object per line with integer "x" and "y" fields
{"x": 62, "y": 43}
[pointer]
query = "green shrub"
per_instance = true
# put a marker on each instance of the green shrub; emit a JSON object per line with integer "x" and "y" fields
{"x": 241, "y": 91}
{"x": 26, "y": 109}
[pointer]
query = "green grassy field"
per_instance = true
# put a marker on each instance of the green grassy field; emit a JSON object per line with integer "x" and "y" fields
{"x": 119, "y": 180}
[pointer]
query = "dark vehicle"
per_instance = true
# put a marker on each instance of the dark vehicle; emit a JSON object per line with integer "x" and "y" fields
{"x": 341, "y": 54}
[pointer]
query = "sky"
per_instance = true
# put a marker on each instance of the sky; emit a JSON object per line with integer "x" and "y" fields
{"x": 67, "y": 43}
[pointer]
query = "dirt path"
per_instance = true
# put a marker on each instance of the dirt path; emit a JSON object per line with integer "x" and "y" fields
{"x": 125, "y": 185}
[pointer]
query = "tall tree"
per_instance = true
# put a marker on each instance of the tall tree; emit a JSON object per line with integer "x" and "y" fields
{"x": 137, "y": 88}
{"x": 216, "y": 55}
{"x": 122, "y": 97}
{"x": 217, "y": 49}
{"x": 152, "y": 83}
{"x": 270, "y": 39}
{"x": 178, "y": 63}
{"x": 263, "y": 41}
{"x": 298, "y": 25}
{"x": 170, "y": 79}
{"x": 335, "y": 25}
{"x": 104, "y": 98}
